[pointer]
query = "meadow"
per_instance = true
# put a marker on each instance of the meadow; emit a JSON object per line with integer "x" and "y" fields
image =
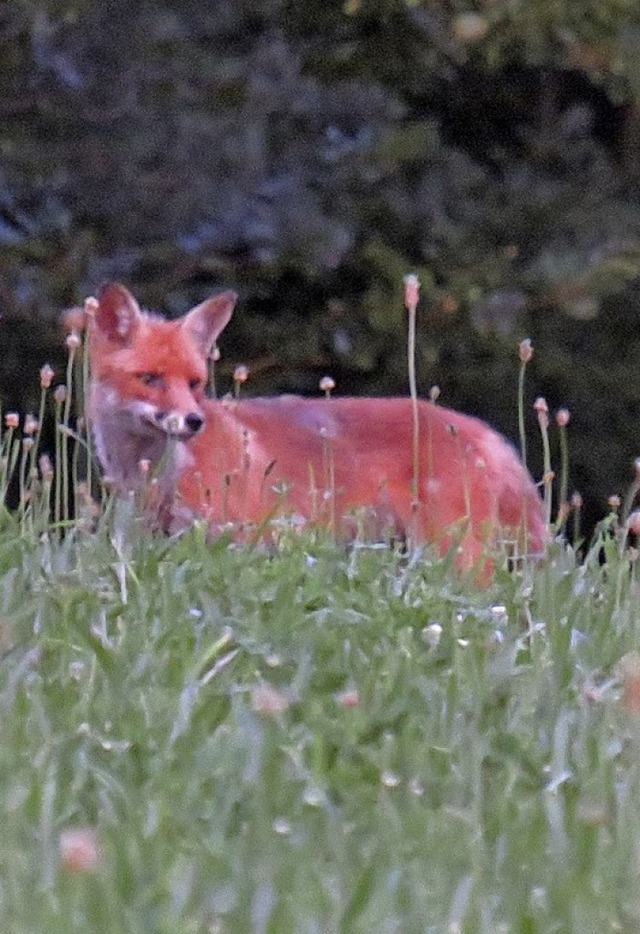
{"x": 199, "y": 737}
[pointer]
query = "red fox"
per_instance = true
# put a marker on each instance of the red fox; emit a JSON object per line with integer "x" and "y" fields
{"x": 345, "y": 462}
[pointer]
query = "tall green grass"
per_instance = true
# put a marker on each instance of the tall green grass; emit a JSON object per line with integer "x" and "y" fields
{"x": 308, "y": 738}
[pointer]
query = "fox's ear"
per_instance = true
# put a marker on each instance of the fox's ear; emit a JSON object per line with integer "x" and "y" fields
{"x": 117, "y": 314}
{"x": 206, "y": 321}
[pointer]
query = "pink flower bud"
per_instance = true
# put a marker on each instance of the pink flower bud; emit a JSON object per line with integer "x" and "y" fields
{"x": 411, "y": 291}
{"x": 327, "y": 383}
{"x": 30, "y": 424}
{"x": 525, "y": 350}
{"x": 542, "y": 410}
{"x": 46, "y": 375}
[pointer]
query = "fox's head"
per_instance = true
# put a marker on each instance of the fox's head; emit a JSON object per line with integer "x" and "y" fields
{"x": 152, "y": 369}
{"x": 148, "y": 379}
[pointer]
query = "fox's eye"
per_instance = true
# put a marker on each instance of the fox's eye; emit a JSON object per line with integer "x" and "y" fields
{"x": 150, "y": 379}
{"x": 195, "y": 384}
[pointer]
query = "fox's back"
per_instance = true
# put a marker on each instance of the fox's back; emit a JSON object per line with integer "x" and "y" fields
{"x": 360, "y": 452}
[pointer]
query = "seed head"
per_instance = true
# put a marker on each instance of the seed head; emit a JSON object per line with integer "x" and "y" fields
{"x": 542, "y": 409}
{"x": 30, "y": 424}
{"x": 46, "y": 375}
{"x": 12, "y": 420}
{"x": 327, "y": 383}
{"x": 633, "y": 522}
{"x": 563, "y": 416}
{"x": 60, "y": 393}
{"x": 525, "y": 350}
{"x": 411, "y": 291}
{"x": 241, "y": 373}
{"x": 46, "y": 467}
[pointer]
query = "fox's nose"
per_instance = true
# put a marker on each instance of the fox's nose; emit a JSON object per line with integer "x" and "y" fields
{"x": 194, "y": 422}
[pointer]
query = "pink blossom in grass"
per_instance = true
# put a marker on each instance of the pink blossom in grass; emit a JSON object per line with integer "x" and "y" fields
{"x": 268, "y": 701}
{"x": 350, "y": 697}
{"x": 79, "y": 850}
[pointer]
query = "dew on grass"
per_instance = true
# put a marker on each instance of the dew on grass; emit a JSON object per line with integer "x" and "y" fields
{"x": 313, "y": 796}
{"x": 282, "y": 826}
{"x": 76, "y": 670}
{"x": 114, "y": 745}
{"x": 431, "y": 634}
{"x": 390, "y": 779}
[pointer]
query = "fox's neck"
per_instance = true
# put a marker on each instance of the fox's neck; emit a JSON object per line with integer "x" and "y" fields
{"x": 130, "y": 458}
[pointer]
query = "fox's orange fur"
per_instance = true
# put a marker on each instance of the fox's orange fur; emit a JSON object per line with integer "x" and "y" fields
{"x": 341, "y": 461}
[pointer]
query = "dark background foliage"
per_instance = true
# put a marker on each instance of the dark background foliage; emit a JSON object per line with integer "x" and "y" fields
{"x": 309, "y": 155}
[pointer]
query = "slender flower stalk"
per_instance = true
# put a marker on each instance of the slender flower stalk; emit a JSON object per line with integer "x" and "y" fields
{"x": 411, "y": 299}
{"x": 542, "y": 410}
{"x": 576, "y": 507}
{"x": 8, "y": 453}
{"x": 240, "y": 376}
{"x": 525, "y": 352}
{"x": 25, "y": 493}
{"x": 59, "y": 396}
{"x": 563, "y": 417}
{"x": 90, "y": 308}
{"x": 214, "y": 356}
